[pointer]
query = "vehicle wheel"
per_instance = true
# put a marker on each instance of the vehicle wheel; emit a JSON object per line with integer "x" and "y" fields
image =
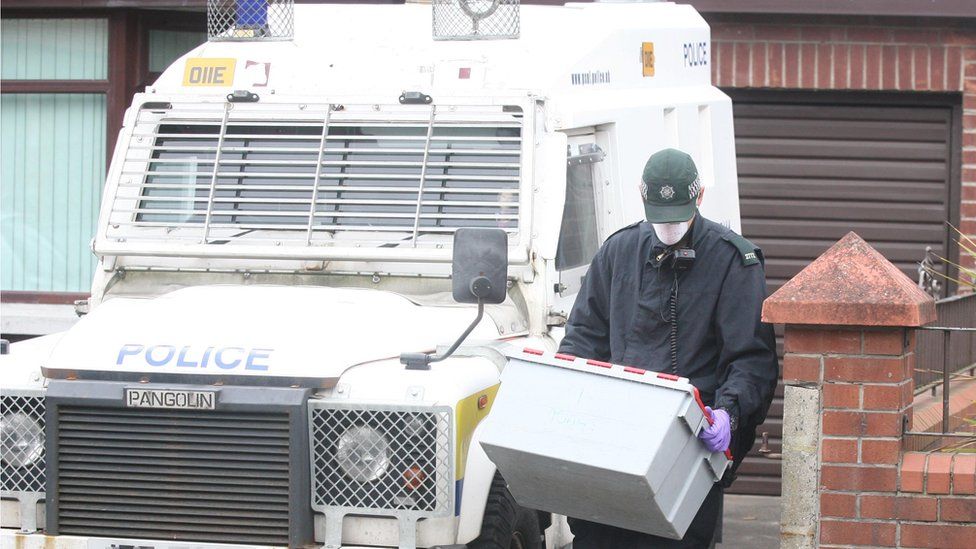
{"x": 506, "y": 525}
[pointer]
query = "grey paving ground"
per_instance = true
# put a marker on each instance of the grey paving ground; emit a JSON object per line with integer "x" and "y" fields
{"x": 751, "y": 522}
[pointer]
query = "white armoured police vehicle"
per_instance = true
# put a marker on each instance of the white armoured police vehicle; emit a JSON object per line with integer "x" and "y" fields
{"x": 277, "y": 229}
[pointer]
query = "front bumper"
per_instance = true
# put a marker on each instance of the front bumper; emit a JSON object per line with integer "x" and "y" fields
{"x": 12, "y": 539}
{"x": 302, "y": 421}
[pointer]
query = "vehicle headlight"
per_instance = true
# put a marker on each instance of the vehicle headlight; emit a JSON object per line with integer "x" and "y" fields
{"x": 21, "y": 440}
{"x": 363, "y": 453}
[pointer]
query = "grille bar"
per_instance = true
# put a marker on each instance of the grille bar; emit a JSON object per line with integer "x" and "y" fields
{"x": 198, "y": 501}
{"x": 126, "y": 482}
{"x": 264, "y": 436}
{"x": 299, "y": 176}
{"x": 175, "y": 438}
{"x": 190, "y": 466}
{"x": 424, "y": 164}
{"x": 377, "y": 150}
{"x": 323, "y": 141}
{"x": 275, "y": 227}
{"x": 167, "y": 452}
{"x": 160, "y": 513}
{"x": 227, "y": 451}
{"x": 214, "y": 172}
{"x": 473, "y": 190}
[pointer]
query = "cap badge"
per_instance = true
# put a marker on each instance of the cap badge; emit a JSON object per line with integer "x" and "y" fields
{"x": 667, "y": 192}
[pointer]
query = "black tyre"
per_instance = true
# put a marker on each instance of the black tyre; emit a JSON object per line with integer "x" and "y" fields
{"x": 506, "y": 525}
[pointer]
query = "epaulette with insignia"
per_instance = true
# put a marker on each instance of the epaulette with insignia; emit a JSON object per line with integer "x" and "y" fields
{"x": 751, "y": 254}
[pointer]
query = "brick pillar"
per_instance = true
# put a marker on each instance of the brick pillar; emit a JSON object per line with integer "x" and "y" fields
{"x": 848, "y": 374}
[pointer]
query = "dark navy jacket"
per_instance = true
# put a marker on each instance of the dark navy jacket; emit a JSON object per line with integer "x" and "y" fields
{"x": 622, "y": 315}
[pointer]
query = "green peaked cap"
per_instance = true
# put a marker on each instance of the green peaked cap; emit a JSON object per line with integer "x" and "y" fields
{"x": 670, "y": 186}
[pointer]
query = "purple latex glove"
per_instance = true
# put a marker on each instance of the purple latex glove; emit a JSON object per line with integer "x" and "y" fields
{"x": 717, "y": 435}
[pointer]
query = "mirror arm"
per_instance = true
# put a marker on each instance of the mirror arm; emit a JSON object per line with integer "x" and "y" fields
{"x": 477, "y": 319}
{"x": 422, "y": 361}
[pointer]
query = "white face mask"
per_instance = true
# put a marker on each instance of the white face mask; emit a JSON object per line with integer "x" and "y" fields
{"x": 671, "y": 233}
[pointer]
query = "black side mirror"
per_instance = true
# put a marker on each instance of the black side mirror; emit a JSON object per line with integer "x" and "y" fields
{"x": 479, "y": 273}
{"x": 479, "y": 267}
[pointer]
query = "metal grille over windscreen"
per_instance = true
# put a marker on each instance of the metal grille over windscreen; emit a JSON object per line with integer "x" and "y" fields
{"x": 475, "y": 19}
{"x": 317, "y": 175}
{"x": 389, "y": 459}
{"x": 250, "y": 19}
{"x": 22, "y": 445}
{"x": 212, "y": 476}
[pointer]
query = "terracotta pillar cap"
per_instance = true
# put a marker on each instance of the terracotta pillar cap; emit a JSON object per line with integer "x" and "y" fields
{"x": 851, "y": 284}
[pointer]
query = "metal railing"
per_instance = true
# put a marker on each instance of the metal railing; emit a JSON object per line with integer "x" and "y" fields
{"x": 945, "y": 354}
{"x": 953, "y": 352}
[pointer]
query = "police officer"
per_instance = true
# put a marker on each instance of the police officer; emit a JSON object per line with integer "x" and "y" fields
{"x": 680, "y": 294}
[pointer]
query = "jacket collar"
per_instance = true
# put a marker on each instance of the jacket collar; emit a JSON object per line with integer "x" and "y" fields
{"x": 654, "y": 246}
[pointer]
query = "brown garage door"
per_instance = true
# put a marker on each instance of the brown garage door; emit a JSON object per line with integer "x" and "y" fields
{"x": 812, "y": 168}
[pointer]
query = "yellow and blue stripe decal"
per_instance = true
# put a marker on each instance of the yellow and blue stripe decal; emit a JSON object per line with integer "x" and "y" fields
{"x": 467, "y": 415}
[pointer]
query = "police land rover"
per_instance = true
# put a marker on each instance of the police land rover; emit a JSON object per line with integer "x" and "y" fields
{"x": 262, "y": 362}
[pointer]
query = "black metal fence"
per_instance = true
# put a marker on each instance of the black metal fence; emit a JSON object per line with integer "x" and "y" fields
{"x": 931, "y": 358}
{"x": 943, "y": 354}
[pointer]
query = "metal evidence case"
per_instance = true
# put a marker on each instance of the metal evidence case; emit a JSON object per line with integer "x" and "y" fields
{"x": 601, "y": 442}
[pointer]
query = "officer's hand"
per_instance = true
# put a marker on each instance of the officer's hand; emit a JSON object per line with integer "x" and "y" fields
{"x": 717, "y": 435}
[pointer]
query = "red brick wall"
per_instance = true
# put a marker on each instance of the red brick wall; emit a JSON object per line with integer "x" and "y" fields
{"x": 935, "y": 501}
{"x": 933, "y": 506}
{"x": 871, "y": 492}
{"x": 834, "y": 57}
